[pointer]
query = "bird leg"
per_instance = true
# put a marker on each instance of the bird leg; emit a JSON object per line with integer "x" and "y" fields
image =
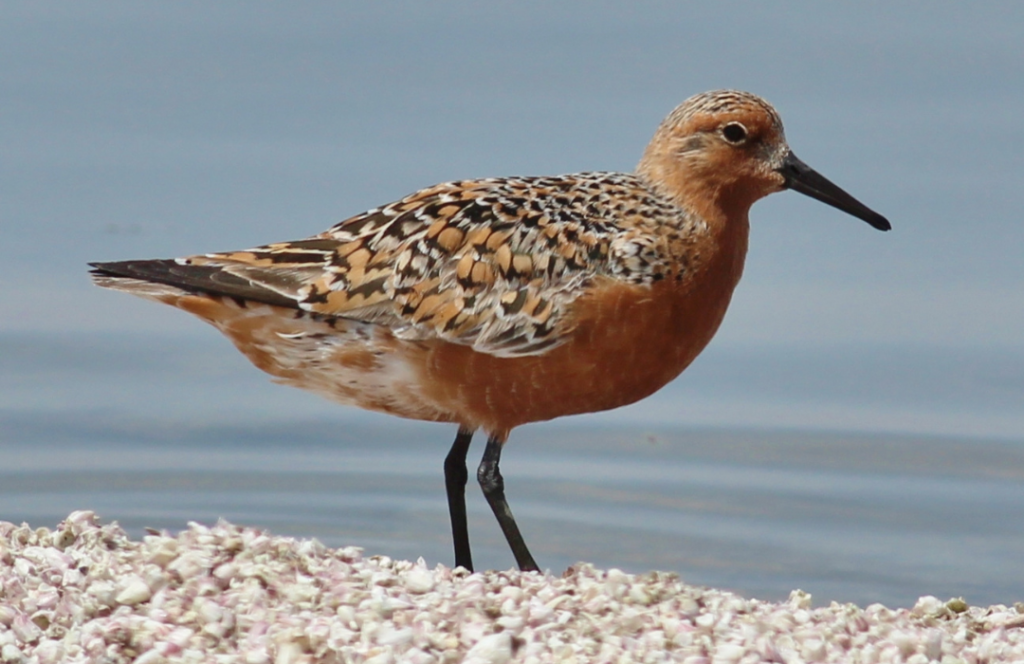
{"x": 493, "y": 485}
{"x": 455, "y": 478}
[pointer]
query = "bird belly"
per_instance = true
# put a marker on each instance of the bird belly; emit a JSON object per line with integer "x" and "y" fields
{"x": 350, "y": 362}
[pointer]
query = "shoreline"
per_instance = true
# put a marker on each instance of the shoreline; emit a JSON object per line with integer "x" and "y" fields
{"x": 85, "y": 591}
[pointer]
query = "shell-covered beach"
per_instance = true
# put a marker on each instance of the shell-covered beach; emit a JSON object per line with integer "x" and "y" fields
{"x": 86, "y": 592}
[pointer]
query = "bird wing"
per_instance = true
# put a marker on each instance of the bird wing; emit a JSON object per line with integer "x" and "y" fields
{"x": 494, "y": 264}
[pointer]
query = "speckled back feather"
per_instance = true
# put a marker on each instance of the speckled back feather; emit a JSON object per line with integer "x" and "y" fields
{"x": 494, "y": 264}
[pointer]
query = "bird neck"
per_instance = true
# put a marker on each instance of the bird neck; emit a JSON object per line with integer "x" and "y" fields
{"x": 722, "y": 204}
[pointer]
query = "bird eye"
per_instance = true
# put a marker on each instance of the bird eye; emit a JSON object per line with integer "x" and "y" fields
{"x": 734, "y": 132}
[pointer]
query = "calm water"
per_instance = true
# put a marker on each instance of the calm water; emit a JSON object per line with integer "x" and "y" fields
{"x": 158, "y": 434}
{"x": 134, "y": 130}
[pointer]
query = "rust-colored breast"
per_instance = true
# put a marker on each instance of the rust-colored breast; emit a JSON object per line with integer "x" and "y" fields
{"x": 628, "y": 341}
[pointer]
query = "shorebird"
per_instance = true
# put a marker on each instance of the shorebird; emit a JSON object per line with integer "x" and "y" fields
{"x": 496, "y": 302}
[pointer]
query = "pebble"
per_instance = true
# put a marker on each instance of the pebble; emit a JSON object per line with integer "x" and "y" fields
{"x": 86, "y": 592}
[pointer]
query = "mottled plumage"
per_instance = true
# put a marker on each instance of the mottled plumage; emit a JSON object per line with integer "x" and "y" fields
{"x": 496, "y": 302}
{"x": 492, "y": 264}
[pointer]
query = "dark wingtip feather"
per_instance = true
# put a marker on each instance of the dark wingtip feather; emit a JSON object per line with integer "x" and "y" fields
{"x": 209, "y": 279}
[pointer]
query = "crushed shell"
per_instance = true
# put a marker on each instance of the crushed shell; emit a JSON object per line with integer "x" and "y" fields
{"x": 85, "y": 592}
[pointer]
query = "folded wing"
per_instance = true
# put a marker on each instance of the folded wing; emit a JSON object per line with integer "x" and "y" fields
{"x": 493, "y": 264}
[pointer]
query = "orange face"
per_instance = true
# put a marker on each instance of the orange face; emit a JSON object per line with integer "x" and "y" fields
{"x": 736, "y": 153}
{"x": 721, "y": 151}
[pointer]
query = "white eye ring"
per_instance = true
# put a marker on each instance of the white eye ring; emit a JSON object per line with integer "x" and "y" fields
{"x": 734, "y": 133}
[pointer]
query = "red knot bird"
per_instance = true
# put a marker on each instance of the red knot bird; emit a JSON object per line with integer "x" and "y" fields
{"x": 497, "y": 302}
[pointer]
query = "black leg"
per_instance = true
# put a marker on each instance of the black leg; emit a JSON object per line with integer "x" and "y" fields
{"x": 494, "y": 490}
{"x": 455, "y": 477}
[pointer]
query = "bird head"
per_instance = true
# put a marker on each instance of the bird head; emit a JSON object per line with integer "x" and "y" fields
{"x": 726, "y": 149}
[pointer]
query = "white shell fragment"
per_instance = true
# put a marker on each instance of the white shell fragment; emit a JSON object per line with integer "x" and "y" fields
{"x": 85, "y": 592}
{"x": 418, "y": 580}
{"x": 132, "y": 591}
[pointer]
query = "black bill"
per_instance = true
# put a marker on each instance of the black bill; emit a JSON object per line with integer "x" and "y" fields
{"x": 801, "y": 177}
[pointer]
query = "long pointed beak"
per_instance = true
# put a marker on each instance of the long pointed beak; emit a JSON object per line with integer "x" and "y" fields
{"x": 801, "y": 177}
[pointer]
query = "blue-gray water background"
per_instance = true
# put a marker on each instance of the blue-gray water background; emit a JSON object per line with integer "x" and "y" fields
{"x": 856, "y": 429}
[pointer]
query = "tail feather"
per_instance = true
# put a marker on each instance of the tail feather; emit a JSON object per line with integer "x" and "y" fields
{"x": 200, "y": 279}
